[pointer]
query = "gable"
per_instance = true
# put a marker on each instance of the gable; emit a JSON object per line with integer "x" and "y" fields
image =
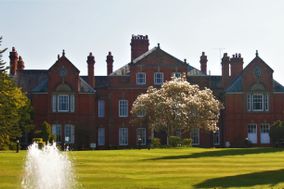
{"x": 158, "y": 56}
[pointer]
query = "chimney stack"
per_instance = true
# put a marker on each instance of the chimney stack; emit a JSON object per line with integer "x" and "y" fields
{"x": 203, "y": 63}
{"x": 139, "y": 45}
{"x": 21, "y": 64}
{"x": 236, "y": 65}
{"x": 91, "y": 62}
{"x": 13, "y": 61}
{"x": 225, "y": 70}
{"x": 109, "y": 61}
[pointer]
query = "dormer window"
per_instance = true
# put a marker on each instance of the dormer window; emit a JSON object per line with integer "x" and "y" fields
{"x": 140, "y": 78}
{"x": 177, "y": 74}
{"x": 158, "y": 78}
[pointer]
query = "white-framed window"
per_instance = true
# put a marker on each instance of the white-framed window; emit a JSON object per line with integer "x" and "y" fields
{"x": 158, "y": 78}
{"x": 140, "y": 78}
{"x": 216, "y": 137}
{"x": 257, "y": 102}
{"x": 101, "y": 136}
{"x": 141, "y": 136}
{"x": 194, "y": 135}
{"x": 123, "y": 108}
{"x": 56, "y": 131}
{"x": 63, "y": 103}
{"x": 123, "y": 136}
{"x": 252, "y": 133}
{"x": 177, "y": 74}
{"x": 101, "y": 108}
{"x": 69, "y": 133}
{"x": 264, "y": 133}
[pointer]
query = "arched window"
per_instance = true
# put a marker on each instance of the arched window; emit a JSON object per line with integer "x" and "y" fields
{"x": 257, "y": 99}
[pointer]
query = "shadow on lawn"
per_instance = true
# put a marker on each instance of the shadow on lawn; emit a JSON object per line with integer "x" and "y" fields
{"x": 246, "y": 180}
{"x": 223, "y": 152}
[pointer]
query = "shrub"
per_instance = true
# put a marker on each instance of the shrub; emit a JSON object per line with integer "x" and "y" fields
{"x": 174, "y": 141}
{"x": 187, "y": 142}
{"x": 277, "y": 133}
{"x": 40, "y": 142}
{"x": 155, "y": 142}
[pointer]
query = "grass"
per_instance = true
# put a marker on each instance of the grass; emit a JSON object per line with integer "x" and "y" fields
{"x": 165, "y": 168}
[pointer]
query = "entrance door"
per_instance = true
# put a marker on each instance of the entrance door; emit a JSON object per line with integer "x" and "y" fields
{"x": 264, "y": 133}
{"x": 252, "y": 134}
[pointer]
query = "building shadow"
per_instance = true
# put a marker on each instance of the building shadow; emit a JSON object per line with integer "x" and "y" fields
{"x": 270, "y": 178}
{"x": 222, "y": 152}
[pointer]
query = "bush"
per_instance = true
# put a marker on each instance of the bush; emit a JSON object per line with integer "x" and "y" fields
{"x": 187, "y": 142}
{"x": 174, "y": 141}
{"x": 277, "y": 133}
{"x": 39, "y": 141}
{"x": 155, "y": 142}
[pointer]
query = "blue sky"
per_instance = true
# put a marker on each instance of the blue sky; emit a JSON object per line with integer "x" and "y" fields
{"x": 40, "y": 29}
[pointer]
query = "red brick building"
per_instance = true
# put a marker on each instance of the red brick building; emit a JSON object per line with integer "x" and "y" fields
{"x": 88, "y": 111}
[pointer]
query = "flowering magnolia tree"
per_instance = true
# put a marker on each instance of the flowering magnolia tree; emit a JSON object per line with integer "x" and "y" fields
{"x": 177, "y": 105}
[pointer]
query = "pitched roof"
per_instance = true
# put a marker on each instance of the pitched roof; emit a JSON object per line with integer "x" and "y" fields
{"x": 64, "y": 58}
{"x": 29, "y": 79}
{"x": 236, "y": 86}
{"x": 124, "y": 70}
{"x": 277, "y": 87}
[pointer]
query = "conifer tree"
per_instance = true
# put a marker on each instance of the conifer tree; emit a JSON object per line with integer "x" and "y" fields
{"x": 2, "y": 63}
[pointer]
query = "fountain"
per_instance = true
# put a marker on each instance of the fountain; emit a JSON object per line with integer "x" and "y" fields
{"x": 47, "y": 168}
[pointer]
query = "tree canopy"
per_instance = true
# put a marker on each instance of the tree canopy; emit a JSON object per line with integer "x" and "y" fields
{"x": 177, "y": 105}
{"x": 2, "y": 63}
{"x": 15, "y": 111}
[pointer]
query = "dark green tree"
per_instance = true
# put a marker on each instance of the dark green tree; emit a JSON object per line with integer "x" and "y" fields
{"x": 2, "y": 63}
{"x": 277, "y": 133}
{"x": 14, "y": 114}
{"x": 45, "y": 132}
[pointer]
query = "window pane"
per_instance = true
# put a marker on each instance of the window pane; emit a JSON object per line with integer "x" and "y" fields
{"x": 257, "y": 102}
{"x": 123, "y": 108}
{"x": 216, "y": 138}
{"x": 101, "y": 136}
{"x": 140, "y": 78}
{"x": 101, "y": 108}
{"x": 63, "y": 103}
{"x": 56, "y": 130}
{"x": 123, "y": 136}
{"x": 194, "y": 134}
{"x": 141, "y": 136}
{"x": 158, "y": 78}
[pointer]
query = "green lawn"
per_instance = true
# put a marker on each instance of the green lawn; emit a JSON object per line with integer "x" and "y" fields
{"x": 165, "y": 168}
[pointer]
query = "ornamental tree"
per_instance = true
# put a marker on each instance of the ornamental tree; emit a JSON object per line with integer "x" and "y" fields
{"x": 177, "y": 105}
{"x": 14, "y": 111}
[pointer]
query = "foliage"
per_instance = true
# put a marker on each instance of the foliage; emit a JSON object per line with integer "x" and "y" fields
{"x": 2, "y": 63}
{"x": 40, "y": 142}
{"x": 14, "y": 111}
{"x": 187, "y": 142}
{"x": 277, "y": 133}
{"x": 174, "y": 141}
{"x": 177, "y": 105}
{"x": 155, "y": 142}
{"x": 45, "y": 132}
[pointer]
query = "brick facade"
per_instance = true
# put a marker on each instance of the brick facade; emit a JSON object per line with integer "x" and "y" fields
{"x": 95, "y": 110}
